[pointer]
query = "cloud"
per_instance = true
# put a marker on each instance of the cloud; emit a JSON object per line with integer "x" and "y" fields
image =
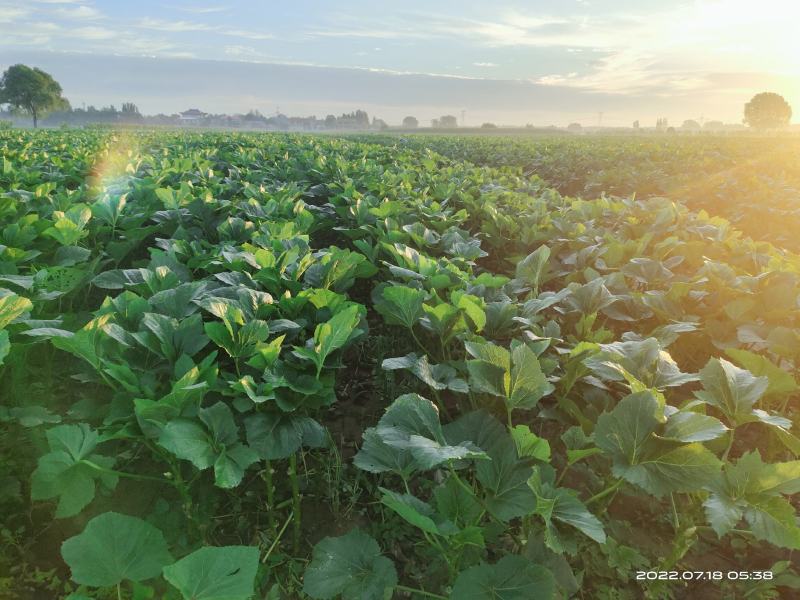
{"x": 10, "y": 14}
{"x": 92, "y": 33}
{"x": 243, "y": 33}
{"x": 246, "y": 53}
{"x": 487, "y": 65}
{"x": 192, "y": 26}
{"x": 78, "y": 12}
{"x": 382, "y": 33}
{"x": 172, "y": 26}
{"x": 33, "y": 34}
{"x": 203, "y": 10}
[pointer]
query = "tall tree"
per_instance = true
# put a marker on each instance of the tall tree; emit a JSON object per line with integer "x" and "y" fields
{"x": 767, "y": 111}
{"x": 31, "y": 91}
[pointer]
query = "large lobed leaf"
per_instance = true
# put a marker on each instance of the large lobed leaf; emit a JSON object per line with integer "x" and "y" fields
{"x": 114, "y": 548}
{"x": 350, "y": 566}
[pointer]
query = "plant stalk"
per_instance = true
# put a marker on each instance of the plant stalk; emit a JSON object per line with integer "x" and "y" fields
{"x": 295, "y": 503}
{"x": 100, "y": 469}
{"x": 410, "y": 590}
{"x": 600, "y": 495}
{"x": 270, "y": 496}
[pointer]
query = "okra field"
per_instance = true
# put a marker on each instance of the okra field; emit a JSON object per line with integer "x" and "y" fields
{"x": 276, "y": 366}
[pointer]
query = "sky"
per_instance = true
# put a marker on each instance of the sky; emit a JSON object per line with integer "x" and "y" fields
{"x": 541, "y": 62}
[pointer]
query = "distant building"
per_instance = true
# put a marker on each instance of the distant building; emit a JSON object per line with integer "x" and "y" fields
{"x": 193, "y": 114}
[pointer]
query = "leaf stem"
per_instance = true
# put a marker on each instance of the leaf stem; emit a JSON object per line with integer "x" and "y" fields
{"x": 563, "y": 473}
{"x": 270, "y": 495}
{"x": 600, "y": 495}
{"x": 410, "y": 590}
{"x": 675, "y": 520}
{"x": 295, "y": 502}
{"x": 100, "y": 469}
{"x": 484, "y": 506}
{"x": 730, "y": 445}
{"x": 421, "y": 346}
{"x": 434, "y": 542}
{"x": 277, "y": 537}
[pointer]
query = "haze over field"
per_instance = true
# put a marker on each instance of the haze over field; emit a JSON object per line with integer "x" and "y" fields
{"x": 507, "y": 62}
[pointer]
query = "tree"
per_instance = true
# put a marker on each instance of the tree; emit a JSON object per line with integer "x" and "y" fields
{"x": 130, "y": 108}
{"x": 690, "y": 125}
{"x": 575, "y": 127}
{"x": 448, "y": 122}
{"x": 767, "y": 111}
{"x": 31, "y": 91}
{"x": 488, "y": 126}
{"x": 410, "y": 122}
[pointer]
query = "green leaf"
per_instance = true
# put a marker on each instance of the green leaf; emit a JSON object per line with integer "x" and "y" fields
{"x": 5, "y": 345}
{"x": 439, "y": 377}
{"x": 781, "y": 382}
{"x": 623, "y": 432}
{"x": 332, "y": 335}
{"x": 723, "y": 513}
{"x": 528, "y": 383}
{"x": 351, "y": 566}
{"x": 487, "y": 378}
{"x": 684, "y": 469}
{"x": 659, "y": 467}
{"x": 529, "y": 444}
{"x": 418, "y": 513}
{"x": 188, "y": 439}
{"x": 215, "y": 573}
{"x": 687, "y": 426}
{"x": 217, "y": 444}
{"x": 752, "y": 489}
{"x": 231, "y": 464}
{"x": 511, "y": 578}
{"x": 401, "y": 305}
{"x": 457, "y": 504}
{"x": 515, "y": 376}
{"x": 531, "y": 268}
{"x": 473, "y": 308}
{"x": 644, "y": 360}
{"x": 732, "y": 390}
{"x": 114, "y": 548}
{"x": 773, "y": 520}
{"x": 504, "y": 477}
{"x": 33, "y": 416}
{"x": 109, "y": 207}
{"x": 274, "y": 436}
{"x": 562, "y": 505}
{"x": 376, "y": 456}
{"x": 65, "y": 472}
{"x": 411, "y": 424}
{"x": 11, "y": 307}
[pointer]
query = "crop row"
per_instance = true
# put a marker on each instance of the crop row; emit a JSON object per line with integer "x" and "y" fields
{"x": 753, "y": 182}
{"x": 194, "y": 325}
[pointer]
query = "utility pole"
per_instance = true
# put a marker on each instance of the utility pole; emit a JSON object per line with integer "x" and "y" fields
{"x": 463, "y": 117}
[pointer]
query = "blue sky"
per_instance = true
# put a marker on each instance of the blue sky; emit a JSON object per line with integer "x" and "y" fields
{"x": 510, "y": 62}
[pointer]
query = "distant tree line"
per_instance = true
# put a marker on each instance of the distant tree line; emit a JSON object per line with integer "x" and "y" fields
{"x": 31, "y": 92}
